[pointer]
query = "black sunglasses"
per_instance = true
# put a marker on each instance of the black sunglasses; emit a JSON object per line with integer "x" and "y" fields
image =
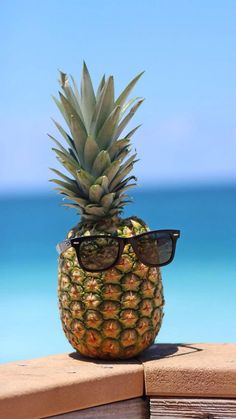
{"x": 99, "y": 253}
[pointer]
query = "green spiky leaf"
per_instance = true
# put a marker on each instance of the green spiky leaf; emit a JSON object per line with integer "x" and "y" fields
{"x": 85, "y": 180}
{"x": 116, "y": 147}
{"x": 104, "y": 106}
{"x": 124, "y": 182}
{"x": 66, "y": 158}
{"x": 106, "y": 133}
{"x": 104, "y": 182}
{"x": 91, "y": 151}
{"x": 58, "y": 173}
{"x": 70, "y": 95}
{"x": 67, "y": 137}
{"x": 131, "y": 159}
{"x": 95, "y": 193}
{"x": 107, "y": 200}
{"x": 120, "y": 176}
{"x": 112, "y": 170}
{"x": 127, "y": 118}
{"x": 76, "y": 90}
{"x": 129, "y": 135}
{"x": 123, "y": 153}
{"x": 100, "y": 87}
{"x": 88, "y": 100}
{"x": 81, "y": 202}
{"x": 72, "y": 206}
{"x": 77, "y": 127}
{"x": 123, "y": 96}
{"x": 95, "y": 210}
{"x": 67, "y": 155}
{"x": 100, "y": 164}
{"x": 127, "y": 105}
{"x": 127, "y": 187}
{"x": 69, "y": 186}
{"x": 60, "y": 107}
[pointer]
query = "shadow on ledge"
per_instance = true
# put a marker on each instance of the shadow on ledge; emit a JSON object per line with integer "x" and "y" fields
{"x": 105, "y": 363}
{"x": 167, "y": 350}
{"x": 156, "y": 351}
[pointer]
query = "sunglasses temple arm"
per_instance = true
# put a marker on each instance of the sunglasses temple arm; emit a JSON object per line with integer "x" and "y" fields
{"x": 62, "y": 246}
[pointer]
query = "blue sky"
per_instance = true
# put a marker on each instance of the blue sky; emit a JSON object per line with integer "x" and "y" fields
{"x": 187, "y": 49}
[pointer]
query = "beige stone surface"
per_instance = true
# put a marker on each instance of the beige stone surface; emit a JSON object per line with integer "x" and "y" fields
{"x": 62, "y": 383}
{"x": 194, "y": 370}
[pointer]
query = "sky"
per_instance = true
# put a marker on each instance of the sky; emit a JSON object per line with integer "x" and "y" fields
{"x": 187, "y": 49}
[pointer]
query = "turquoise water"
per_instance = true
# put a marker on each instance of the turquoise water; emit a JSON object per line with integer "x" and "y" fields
{"x": 200, "y": 285}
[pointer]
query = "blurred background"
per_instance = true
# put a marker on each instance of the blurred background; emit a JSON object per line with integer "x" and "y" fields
{"x": 186, "y": 145}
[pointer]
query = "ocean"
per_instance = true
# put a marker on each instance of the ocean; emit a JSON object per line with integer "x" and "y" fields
{"x": 199, "y": 285}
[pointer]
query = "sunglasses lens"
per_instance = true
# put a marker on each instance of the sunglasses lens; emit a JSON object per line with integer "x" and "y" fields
{"x": 98, "y": 254}
{"x": 154, "y": 248}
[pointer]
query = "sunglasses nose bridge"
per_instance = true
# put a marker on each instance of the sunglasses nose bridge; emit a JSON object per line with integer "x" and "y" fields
{"x": 131, "y": 241}
{"x": 128, "y": 240}
{"x": 122, "y": 243}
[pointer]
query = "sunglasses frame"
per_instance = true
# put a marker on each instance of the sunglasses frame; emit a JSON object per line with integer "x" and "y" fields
{"x": 122, "y": 241}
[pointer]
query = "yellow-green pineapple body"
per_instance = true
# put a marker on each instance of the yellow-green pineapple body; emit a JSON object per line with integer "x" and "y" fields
{"x": 112, "y": 314}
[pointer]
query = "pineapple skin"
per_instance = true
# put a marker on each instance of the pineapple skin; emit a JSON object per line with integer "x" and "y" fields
{"x": 115, "y": 314}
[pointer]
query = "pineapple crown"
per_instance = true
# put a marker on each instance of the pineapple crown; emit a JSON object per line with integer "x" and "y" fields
{"x": 96, "y": 156}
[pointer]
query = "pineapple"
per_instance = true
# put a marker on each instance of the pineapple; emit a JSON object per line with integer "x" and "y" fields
{"x": 116, "y": 313}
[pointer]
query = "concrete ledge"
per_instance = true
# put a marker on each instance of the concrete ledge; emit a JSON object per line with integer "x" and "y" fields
{"x": 194, "y": 370}
{"x": 63, "y": 383}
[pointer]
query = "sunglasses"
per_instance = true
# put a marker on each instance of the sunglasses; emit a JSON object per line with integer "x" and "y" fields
{"x": 99, "y": 253}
